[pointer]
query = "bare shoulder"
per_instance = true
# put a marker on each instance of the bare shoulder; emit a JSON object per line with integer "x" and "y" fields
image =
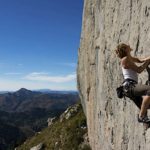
{"x": 124, "y": 59}
{"x": 124, "y": 62}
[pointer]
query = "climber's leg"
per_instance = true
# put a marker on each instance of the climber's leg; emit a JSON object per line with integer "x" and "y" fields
{"x": 143, "y": 112}
{"x": 141, "y": 90}
{"x": 144, "y": 106}
{"x": 144, "y": 91}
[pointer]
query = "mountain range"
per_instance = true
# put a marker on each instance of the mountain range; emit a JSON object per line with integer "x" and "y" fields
{"x": 25, "y": 112}
{"x": 26, "y": 100}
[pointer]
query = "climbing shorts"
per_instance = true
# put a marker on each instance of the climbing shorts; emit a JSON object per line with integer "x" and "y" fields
{"x": 140, "y": 90}
{"x": 132, "y": 89}
{"x": 135, "y": 91}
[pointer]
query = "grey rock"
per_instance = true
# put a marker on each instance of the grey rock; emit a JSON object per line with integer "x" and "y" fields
{"x": 69, "y": 112}
{"x": 38, "y": 147}
{"x": 50, "y": 121}
{"x": 112, "y": 122}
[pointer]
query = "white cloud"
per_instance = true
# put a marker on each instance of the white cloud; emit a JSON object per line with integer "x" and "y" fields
{"x": 35, "y": 76}
{"x": 38, "y": 73}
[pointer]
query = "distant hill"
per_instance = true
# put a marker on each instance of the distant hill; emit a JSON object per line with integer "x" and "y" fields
{"x": 56, "y": 92}
{"x": 25, "y": 112}
{"x": 26, "y": 100}
{"x": 3, "y": 92}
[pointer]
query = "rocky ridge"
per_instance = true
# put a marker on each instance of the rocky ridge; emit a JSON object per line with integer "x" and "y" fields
{"x": 69, "y": 132}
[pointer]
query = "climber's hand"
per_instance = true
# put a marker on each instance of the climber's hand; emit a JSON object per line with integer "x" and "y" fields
{"x": 146, "y": 59}
{"x": 140, "y": 60}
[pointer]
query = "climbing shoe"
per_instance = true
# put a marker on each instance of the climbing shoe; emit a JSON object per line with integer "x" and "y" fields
{"x": 143, "y": 119}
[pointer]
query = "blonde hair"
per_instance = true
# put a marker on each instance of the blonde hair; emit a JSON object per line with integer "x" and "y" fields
{"x": 121, "y": 50}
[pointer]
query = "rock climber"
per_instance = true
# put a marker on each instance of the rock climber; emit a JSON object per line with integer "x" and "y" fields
{"x": 130, "y": 73}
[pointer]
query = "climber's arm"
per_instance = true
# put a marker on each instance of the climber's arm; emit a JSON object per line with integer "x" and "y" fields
{"x": 140, "y": 60}
{"x": 129, "y": 64}
{"x": 145, "y": 59}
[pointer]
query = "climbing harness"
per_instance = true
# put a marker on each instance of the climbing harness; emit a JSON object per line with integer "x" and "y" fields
{"x": 125, "y": 89}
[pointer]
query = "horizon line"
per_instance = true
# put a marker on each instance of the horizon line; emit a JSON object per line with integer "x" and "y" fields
{"x": 38, "y": 90}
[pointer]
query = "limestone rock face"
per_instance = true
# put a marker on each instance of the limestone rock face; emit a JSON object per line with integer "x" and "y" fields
{"x": 112, "y": 122}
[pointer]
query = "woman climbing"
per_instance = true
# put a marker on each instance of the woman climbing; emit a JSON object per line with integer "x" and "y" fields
{"x": 130, "y": 72}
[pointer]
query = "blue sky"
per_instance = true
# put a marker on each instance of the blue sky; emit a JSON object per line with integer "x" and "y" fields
{"x": 39, "y": 41}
